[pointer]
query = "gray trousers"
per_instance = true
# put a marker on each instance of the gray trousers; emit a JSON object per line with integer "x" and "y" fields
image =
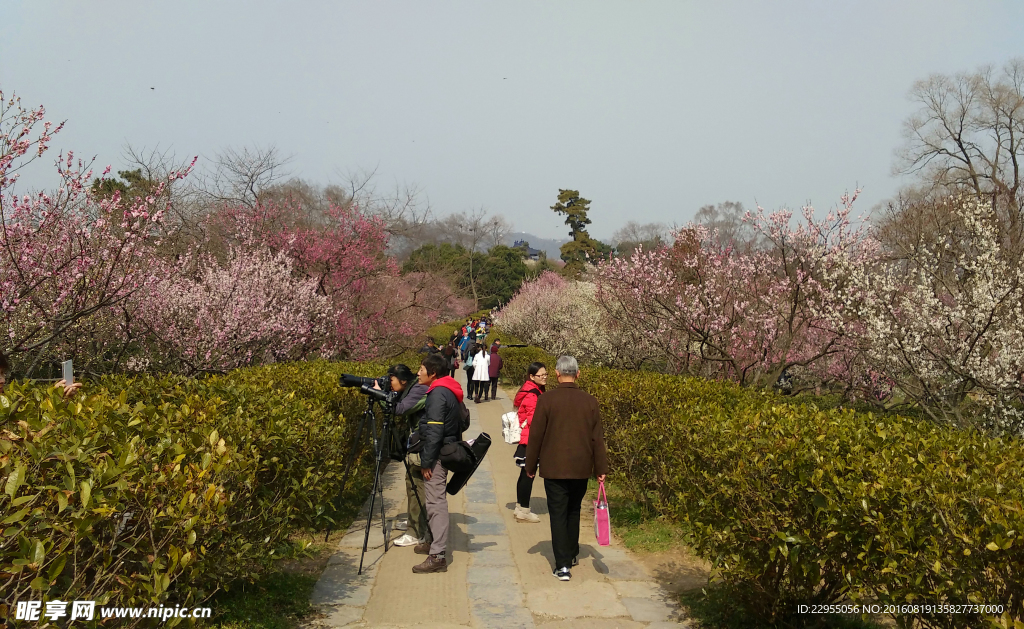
{"x": 415, "y": 494}
{"x": 437, "y": 508}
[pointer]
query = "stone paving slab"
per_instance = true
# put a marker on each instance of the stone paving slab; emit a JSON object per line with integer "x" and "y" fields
{"x": 575, "y": 600}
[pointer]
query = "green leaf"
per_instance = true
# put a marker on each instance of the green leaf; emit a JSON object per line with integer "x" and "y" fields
{"x": 15, "y": 479}
{"x": 57, "y": 567}
{"x": 16, "y": 517}
{"x": 86, "y": 493}
{"x": 20, "y": 501}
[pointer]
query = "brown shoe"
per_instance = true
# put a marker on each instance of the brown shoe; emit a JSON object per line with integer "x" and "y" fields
{"x": 433, "y": 563}
{"x": 422, "y": 549}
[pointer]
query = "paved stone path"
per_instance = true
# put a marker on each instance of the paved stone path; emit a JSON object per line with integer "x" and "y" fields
{"x": 499, "y": 572}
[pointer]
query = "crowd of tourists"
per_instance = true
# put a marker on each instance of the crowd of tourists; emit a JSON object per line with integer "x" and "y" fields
{"x": 560, "y": 427}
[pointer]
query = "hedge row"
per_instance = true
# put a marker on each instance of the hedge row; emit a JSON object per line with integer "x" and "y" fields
{"x": 150, "y": 490}
{"x": 797, "y": 504}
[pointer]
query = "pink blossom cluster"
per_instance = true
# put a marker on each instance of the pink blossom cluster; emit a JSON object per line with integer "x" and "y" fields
{"x": 88, "y": 278}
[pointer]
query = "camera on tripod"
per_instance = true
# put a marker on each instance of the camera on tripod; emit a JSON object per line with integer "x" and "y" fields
{"x": 384, "y": 394}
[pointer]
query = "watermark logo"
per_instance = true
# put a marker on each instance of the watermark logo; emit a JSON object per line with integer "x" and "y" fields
{"x": 86, "y": 610}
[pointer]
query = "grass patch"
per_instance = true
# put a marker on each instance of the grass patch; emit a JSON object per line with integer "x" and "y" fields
{"x": 635, "y": 525}
{"x": 277, "y": 601}
{"x": 716, "y": 607}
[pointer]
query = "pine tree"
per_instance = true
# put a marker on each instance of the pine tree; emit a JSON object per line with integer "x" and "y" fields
{"x": 582, "y": 249}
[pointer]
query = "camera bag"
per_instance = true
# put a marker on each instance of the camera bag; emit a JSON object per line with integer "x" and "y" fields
{"x": 458, "y": 457}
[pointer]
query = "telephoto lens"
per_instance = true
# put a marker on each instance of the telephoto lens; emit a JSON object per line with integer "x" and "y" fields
{"x": 348, "y": 380}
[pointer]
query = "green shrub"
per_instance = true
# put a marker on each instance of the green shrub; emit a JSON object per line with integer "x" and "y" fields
{"x": 515, "y": 361}
{"x": 803, "y": 505}
{"x": 147, "y": 490}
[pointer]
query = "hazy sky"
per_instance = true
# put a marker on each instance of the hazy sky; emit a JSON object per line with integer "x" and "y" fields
{"x": 650, "y": 109}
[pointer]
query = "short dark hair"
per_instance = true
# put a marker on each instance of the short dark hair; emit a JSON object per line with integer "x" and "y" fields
{"x": 5, "y": 364}
{"x": 435, "y": 364}
{"x": 402, "y": 372}
{"x": 534, "y": 368}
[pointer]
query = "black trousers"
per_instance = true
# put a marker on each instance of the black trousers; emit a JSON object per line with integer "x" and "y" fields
{"x": 470, "y": 383}
{"x": 524, "y": 488}
{"x": 494, "y": 388}
{"x": 565, "y": 501}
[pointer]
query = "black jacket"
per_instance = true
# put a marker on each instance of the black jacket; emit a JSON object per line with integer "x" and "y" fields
{"x": 439, "y": 424}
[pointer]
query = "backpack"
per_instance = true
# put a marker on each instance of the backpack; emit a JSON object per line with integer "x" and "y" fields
{"x": 511, "y": 429}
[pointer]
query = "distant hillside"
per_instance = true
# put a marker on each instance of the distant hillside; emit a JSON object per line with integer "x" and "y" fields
{"x": 550, "y": 246}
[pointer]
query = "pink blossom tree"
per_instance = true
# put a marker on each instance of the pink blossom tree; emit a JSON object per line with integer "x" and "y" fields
{"x": 707, "y": 309}
{"x": 203, "y": 315}
{"x": 63, "y": 257}
{"x": 375, "y": 310}
{"x": 563, "y": 317}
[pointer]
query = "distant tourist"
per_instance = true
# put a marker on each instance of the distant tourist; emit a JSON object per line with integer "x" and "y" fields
{"x": 481, "y": 372}
{"x": 494, "y": 371}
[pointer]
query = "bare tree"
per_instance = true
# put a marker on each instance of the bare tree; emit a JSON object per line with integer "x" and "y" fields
{"x": 633, "y": 234}
{"x": 497, "y": 229}
{"x": 967, "y": 138}
{"x": 968, "y": 135}
{"x": 243, "y": 175}
{"x": 728, "y": 219}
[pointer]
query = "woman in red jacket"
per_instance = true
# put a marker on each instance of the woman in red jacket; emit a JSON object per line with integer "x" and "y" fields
{"x": 525, "y": 403}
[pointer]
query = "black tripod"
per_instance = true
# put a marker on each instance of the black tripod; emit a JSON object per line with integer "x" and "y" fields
{"x": 381, "y": 440}
{"x": 378, "y": 439}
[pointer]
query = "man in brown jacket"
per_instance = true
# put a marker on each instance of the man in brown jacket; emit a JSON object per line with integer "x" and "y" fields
{"x": 568, "y": 436}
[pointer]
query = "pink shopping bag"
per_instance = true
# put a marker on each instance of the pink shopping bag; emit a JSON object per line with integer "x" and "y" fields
{"x": 602, "y": 523}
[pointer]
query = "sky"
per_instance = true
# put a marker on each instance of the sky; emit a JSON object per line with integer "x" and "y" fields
{"x": 649, "y": 109}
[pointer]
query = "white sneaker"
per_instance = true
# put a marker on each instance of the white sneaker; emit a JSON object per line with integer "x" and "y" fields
{"x": 407, "y": 540}
{"x": 525, "y": 515}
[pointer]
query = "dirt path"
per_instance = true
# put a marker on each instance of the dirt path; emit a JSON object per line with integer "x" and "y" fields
{"x": 499, "y": 572}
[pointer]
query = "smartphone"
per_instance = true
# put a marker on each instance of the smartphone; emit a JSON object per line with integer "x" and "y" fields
{"x": 69, "y": 373}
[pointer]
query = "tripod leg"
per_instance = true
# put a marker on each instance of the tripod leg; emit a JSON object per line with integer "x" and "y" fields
{"x": 383, "y": 518}
{"x": 369, "y": 514}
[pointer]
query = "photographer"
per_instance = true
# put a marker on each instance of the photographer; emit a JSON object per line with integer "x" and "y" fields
{"x": 410, "y": 406}
{"x": 439, "y": 425}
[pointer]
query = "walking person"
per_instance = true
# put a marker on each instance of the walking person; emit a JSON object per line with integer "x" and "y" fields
{"x": 525, "y": 403}
{"x": 439, "y": 425}
{"x": 452, "y": 356}
{"x": 568, "y": 436}
{"x": 467, "y": 365}
{"x": 481, "y": 372}
{"x": 494, "y": 370}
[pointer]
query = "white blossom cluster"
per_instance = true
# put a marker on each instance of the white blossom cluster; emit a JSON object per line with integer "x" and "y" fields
{"x": 945, "y": 321}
